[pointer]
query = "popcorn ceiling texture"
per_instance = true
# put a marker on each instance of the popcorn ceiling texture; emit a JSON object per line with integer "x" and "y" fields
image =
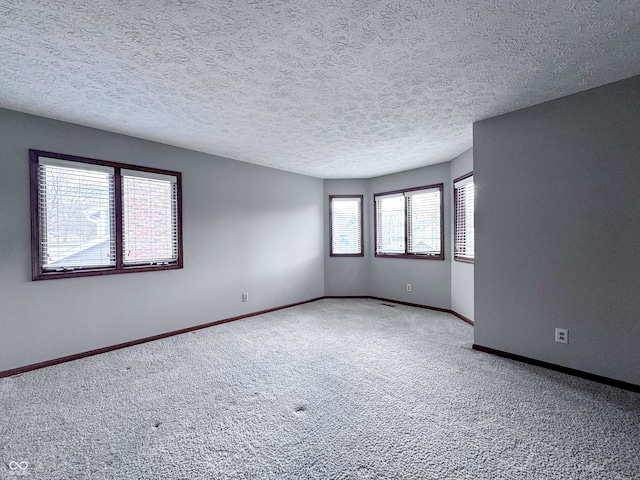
{"x": 334, "y": 389}
{"x": 328, "y": 88}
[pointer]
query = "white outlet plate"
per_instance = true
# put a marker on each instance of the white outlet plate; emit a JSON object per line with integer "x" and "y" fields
{"x": 245, "y": 297}
{"x": 562, "y": 335}
{"x": 408, "y": 287}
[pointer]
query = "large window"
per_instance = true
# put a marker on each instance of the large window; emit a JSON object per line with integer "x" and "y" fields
{"x": 464, "y": 205}
{"x": 345, "y": 217}
{"x": 92, "y": 217}
{"x": 409, "y": 223}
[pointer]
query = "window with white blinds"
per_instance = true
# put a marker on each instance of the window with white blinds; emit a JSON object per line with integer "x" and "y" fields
{"x": 409, "y": 223}
{"x": 345, "y": 218}
{"x": 390, "y": 223}
{"x": 93, "y": 217}
{"x": 77, "y": 215}
{"x": 150, "y": 223}
{"x": 464, "y": 206}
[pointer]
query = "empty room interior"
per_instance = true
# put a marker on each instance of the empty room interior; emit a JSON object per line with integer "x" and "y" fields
{"x": 295, "y": 239}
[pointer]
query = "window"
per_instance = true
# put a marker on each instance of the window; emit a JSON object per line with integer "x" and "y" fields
{"x": 92, "y": 217}
{"x": 409, "y": 223}
{"x": 345, "y": 217}
{"x": 464, "y": 205}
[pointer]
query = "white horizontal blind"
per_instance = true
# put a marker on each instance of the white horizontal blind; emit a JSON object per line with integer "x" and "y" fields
{"x": 423, "y": 222}
{"x": 77, "y": 219}
{"x": 149, "y": 217}
{"x": 346, "y": 224}
{"x": 464, "y": 194}
{"x": 390, "y": 221}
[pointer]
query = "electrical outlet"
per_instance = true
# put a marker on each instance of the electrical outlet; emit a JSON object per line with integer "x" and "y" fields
{"x": 562, "y": 335}
{"x": 245, "y": 297}
{"x": 408, "y": 287}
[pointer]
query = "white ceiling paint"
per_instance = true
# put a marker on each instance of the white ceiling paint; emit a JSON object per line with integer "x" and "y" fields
{"x": 328, "y": 88}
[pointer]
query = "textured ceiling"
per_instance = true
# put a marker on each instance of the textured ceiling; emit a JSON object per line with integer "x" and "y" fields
{"x": 328, "y": 88}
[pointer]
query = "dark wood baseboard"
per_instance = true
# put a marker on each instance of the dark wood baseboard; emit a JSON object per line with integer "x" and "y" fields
{"x": 437, "y": 309}
{"x": 512, "y": 356}
{"x": 462, "y": 317}
{"x": 97, "y": 351}
{"x": 558, "y": 368}
{"x": 418, "y": 305}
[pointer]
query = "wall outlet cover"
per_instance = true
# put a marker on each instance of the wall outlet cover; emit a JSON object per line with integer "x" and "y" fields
{"x": 562, "y": 335}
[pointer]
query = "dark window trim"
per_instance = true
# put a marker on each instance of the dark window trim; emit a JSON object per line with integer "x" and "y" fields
{"x": 37, "y": 272}
{"x": 415, "y": 256}
{"x": 456, "y": 257}
{"x": 361, "y": 254}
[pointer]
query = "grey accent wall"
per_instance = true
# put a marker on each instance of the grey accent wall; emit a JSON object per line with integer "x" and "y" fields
{"x": 246, "y": 229}
{"x": 462, "y": 279}
{"x": 348, "y": 276}
{"x": 435, "y": 283}
{"x": 557, "y": 231}
{"x": 430, "y": 279}
{"x": 388, "y": 277}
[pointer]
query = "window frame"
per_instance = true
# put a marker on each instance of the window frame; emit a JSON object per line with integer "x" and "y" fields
{"x": 406, "y": 254}
{"x": 361, "y": 254}
{"x": 456, "y": 257}
{"x": 37, "y": 270}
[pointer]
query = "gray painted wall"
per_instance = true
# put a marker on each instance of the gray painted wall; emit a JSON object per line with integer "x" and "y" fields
{"x": 462, "y": 280}
{"x": 387, "y": 277}
{"x": 246, "y": 229}
{"x": 557, "y": 231}
{"x": 430, "y": 279}
{"x": 348, "y": 276}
